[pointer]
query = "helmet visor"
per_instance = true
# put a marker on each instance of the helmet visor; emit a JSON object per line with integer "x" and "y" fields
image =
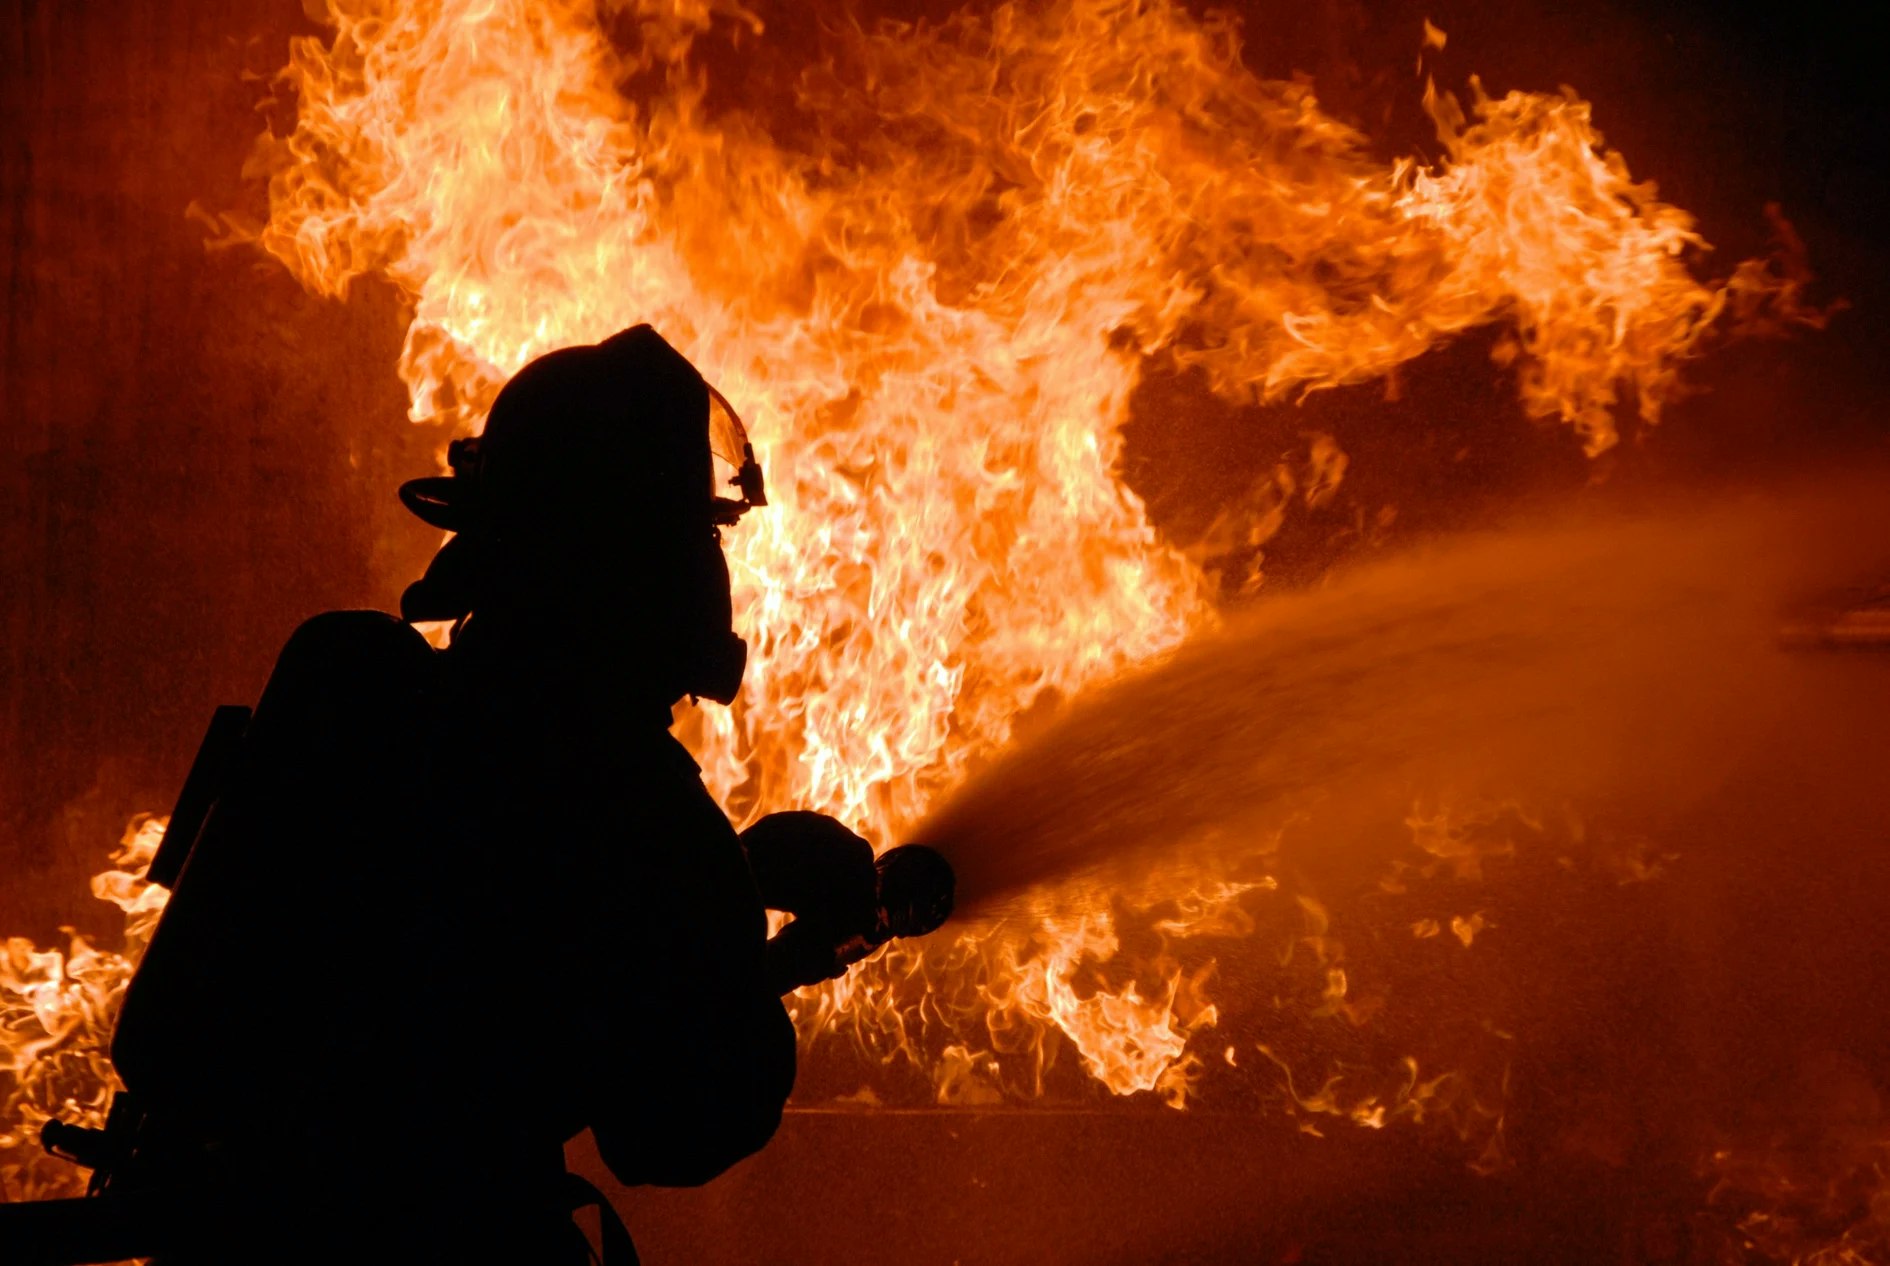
{"x": 728, "y": 438}
{"x": 736, "y": 470}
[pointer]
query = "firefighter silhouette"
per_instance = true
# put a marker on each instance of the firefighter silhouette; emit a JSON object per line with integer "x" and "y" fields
{"x": 443, "y": 910}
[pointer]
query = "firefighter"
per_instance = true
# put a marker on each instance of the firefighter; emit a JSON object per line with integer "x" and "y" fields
{"x": 435, "y": 913}
{"x": 455, "y": 907}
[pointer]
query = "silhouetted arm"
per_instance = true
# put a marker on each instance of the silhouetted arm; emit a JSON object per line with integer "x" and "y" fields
{"x": 810, "y": 866}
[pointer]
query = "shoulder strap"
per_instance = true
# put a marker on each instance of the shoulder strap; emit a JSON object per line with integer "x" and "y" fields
{"x": 617, "y": 1247}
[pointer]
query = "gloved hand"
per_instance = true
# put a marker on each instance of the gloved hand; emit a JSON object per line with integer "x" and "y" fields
{"x": 810, "y": 866}
{"x": 845, "y": 903}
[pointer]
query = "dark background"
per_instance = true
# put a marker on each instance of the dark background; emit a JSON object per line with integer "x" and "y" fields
{"x": 195, "y": 453}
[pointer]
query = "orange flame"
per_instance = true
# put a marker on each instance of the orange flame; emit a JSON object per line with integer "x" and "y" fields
{"x": 933, "y": 308}
{"x": 931, "y": 279}
{"x": 56, "y": 1014}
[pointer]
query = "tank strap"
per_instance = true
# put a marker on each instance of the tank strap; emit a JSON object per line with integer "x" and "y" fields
{"x": 614, "y": 1237}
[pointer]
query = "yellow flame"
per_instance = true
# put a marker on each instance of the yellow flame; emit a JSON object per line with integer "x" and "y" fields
{"x": 930, "y": 276}
{"x": 56, "y": 1014}
{"x": 933, "y": 306}
{"x": 929, "y": 339}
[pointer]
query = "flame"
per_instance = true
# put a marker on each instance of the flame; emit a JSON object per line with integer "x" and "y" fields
{"x": 931, "y": 276}
{"x": 933, "y": 305}
{"x": 56, "y": 1013}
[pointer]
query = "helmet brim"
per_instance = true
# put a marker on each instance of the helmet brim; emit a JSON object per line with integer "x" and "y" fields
{"x": 437, "y": 500}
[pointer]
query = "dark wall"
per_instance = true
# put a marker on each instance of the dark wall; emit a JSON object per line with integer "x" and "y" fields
{"x": 193, "y": 454}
